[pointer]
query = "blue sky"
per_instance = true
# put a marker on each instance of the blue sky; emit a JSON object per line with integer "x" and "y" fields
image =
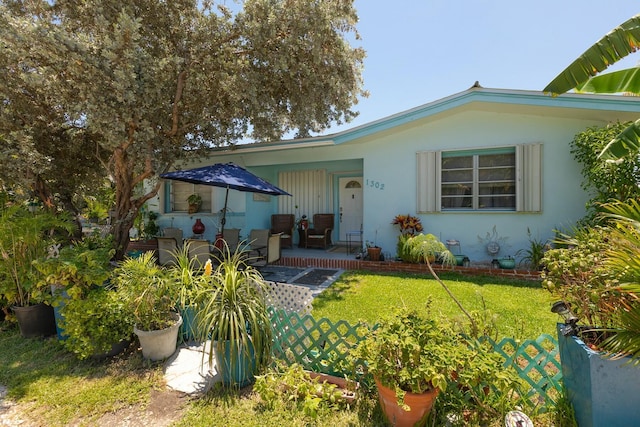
{"x": 419, "y": 51}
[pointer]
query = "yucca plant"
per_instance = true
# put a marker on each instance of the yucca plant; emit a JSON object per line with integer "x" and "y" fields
{"x": 233, "y": 314}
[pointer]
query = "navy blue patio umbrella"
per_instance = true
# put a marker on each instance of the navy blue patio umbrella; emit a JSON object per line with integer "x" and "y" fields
{"x": 229, "y": 176}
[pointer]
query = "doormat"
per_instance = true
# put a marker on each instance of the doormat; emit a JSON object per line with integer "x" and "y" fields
{"x": 316, "y": 277}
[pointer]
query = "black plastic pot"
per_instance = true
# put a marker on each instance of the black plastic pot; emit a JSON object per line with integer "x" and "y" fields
{"x": 35, "y": 320}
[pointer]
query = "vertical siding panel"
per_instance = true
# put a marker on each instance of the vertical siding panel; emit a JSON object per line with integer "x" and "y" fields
{"x": 309, "y": 191}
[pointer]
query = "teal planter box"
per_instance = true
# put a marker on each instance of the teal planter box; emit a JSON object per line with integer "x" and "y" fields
{"x": 188, "y": 327}
{"x": 242, "y": 371}
{"x": 603, "y": 392}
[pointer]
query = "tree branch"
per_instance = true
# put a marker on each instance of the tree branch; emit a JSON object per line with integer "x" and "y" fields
{"x": 175, "y": 113}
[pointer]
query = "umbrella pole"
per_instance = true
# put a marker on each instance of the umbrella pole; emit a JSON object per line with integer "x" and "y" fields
{"x": 223, "y": 221}
{"x": 218, "y": 243}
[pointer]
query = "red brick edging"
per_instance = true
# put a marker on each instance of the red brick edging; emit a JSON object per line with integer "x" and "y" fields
{"x": 403, "y": 267}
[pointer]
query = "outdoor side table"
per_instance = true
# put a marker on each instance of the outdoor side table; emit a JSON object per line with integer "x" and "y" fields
{"x": 353, "y": 237}
{"x": 302, "y": 235}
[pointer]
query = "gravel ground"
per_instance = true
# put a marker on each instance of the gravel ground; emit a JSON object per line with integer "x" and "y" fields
{"x": 9, "y": 411}
{"x": 164, "y": 408}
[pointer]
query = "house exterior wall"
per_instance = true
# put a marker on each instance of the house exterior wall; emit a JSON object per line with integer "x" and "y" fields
{"x": 391, "y": 161}
{"x": 387, "y": 162}
{"x": 384, "y": 154}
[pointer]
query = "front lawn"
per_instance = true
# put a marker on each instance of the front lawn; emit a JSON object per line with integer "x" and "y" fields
{"x": 52, "y": 388}
{"x": 521, "y": 308}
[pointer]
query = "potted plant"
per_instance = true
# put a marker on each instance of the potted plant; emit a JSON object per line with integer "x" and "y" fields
{"x": 98, "y": 325}
{"x": 183, "y": 274}
{"x": 73, "y": 273}
{"x": 233, "y": 314}
{"x": 533, "y": 255}
{"x": 373, "y": 251}
{"x": 411, "y": 358}
{"x": 24, "y": 237}
{"x": 508, "y": 262}
{"x": 195, "y": 202}
{"x": 151, "y": 296}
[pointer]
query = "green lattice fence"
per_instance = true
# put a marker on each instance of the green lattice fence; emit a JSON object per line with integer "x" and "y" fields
{"x": 537, "y": 362}
{"x": 319, "y": 345}
{"x": 322, "y": 346}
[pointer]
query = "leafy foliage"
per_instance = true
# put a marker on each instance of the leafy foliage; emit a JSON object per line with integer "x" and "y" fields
{"x": 603, "y": 180}
{"x": 24, "y": 238}
{"x": 623, "y": 256}
{"x": 295, "y": 386}
{"x": 578, "y": 275}
{"x": 408, "y": 224}
{"x": 76, "y": 269}
{"x": 93, "y": 324}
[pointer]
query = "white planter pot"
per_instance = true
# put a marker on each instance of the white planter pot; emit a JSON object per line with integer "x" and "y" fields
{"x": 158, "y": 345}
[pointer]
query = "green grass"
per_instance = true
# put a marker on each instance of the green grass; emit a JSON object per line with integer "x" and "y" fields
{"x": 59, "y": 389}
{"x": 522, "y": 308}
{"x": 222, "y": 408}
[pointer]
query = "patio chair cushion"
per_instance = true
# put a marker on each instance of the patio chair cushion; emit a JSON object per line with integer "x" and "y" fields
{"x": 320, "y": 234}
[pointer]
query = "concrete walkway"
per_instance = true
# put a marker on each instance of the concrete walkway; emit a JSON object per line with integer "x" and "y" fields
{"x": 188, "y": 370}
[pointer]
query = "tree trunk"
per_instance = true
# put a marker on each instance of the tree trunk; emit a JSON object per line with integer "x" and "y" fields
{"x": 127, "y": 207}
{"x": 122, "y": 223}
{"x": 126, "y": 211}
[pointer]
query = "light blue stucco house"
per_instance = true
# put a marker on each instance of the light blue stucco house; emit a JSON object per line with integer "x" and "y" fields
{"x": 479, "y": 165}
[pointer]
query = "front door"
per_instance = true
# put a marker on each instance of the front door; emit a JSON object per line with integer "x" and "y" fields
{"x": 350, "y": 213}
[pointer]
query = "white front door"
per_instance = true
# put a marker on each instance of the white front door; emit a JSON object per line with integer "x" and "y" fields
{"x": 350, "y": 210}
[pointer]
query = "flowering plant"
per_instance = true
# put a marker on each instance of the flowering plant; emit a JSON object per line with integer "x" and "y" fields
{"x": 409, "y": 225}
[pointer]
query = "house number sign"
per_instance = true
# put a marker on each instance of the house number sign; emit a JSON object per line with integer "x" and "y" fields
{"x": 375, "y": 184}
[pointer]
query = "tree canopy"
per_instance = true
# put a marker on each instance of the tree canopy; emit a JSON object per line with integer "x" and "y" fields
{"x": 136, "y": 86}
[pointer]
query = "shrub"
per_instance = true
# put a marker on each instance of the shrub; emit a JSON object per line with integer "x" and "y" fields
{"x": 94, "y": 324}
{"x": 577, "y": 275}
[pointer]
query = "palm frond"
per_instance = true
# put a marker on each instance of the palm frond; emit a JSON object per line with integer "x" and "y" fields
{"x": 623, "y": 81}
{"x": 620, "y": 42}
{"x": 624, "y": 144}
{"x": 625, "y": 340}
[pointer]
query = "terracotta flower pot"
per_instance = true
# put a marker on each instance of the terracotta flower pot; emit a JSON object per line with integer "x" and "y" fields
{"x": 374, "y": 253}
{"x": 420, "y": 405}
